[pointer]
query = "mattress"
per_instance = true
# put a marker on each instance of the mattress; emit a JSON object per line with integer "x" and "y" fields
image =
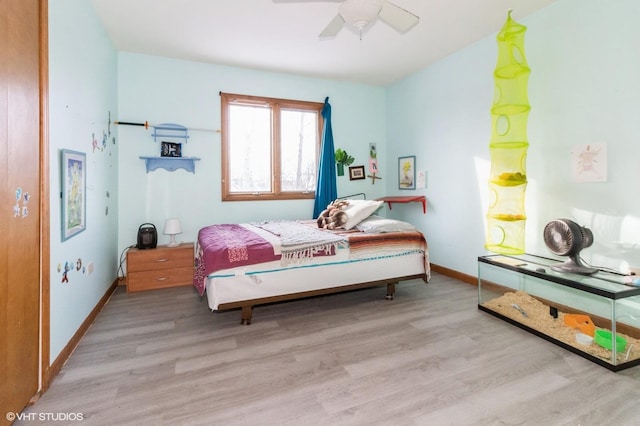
{"x": 254, "y": 262}
{"x": 271, "y": 279}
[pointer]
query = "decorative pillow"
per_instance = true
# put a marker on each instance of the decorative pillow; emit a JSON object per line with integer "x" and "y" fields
{"x": 358, "y": 210}
{"x": 377, "y": 225}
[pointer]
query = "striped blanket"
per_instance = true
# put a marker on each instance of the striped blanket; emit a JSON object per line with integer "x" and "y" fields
{"x": 300, "y": 241}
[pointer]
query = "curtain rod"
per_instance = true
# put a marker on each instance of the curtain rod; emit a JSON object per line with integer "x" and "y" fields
{"x": 146, "y": 125}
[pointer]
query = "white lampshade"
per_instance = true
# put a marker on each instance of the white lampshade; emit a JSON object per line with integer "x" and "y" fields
{"x": 360, "y": 13}
{"x": 172, "y": 227}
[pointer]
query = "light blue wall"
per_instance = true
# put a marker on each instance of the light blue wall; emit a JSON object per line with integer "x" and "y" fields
{"x": 82, "y": 91}
{"x": 161, "y": 90}
{"x": 583, "y": 89}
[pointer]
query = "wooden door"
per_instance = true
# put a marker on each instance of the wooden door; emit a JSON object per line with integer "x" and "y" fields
{"x": 20, "y": 144}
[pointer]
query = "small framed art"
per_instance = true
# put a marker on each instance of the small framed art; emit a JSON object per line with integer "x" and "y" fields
{"x": 407, "y": 172}
{"x": 356, "y": 172}
{"x": 171, "y": 149}
{"x": 73, "y": 169}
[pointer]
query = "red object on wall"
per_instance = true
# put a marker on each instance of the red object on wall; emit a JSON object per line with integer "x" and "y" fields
{"x": 406, "y": 199}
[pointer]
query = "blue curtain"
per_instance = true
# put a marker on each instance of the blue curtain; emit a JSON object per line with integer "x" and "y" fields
{"x": 326, "y": 188}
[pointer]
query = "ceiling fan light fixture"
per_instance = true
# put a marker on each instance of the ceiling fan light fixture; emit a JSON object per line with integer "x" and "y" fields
{"x": 360, "y": 13}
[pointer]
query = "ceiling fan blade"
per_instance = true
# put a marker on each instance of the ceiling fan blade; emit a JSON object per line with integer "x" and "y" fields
{"x": 333, "y": 28}
{"x": 400, "y": 19}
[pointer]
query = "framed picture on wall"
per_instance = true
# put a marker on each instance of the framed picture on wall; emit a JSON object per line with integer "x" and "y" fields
{"x": 407, "y": 172}
{"x": 73, "y": 169}
{"x": 171, "y": 149}
{"x": 356, "y": 172}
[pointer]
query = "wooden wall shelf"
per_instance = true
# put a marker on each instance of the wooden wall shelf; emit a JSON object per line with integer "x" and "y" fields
{"x": 406, "y": 199}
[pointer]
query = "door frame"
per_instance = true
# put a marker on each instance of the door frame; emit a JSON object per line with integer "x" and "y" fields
{"x": 45, "y": 226}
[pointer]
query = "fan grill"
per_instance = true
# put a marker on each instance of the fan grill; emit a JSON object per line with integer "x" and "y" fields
{"x": 560, "y": 237}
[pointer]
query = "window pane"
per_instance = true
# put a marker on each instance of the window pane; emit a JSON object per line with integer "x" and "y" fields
{"x": 298, "y": 132}
{"x": 270, "y": 148}
{"x": 249, "y": 148}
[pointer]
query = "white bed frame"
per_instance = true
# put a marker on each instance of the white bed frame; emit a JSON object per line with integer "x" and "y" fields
{"x": 246, "y": 287}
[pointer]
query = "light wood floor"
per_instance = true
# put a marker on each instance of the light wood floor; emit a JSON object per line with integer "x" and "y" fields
{"x": 429, "y": 357}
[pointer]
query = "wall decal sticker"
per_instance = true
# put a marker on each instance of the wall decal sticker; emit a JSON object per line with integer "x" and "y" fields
{"x": 104, "y": 140}
{"x": 67, "y": 268}
{"x": 94, "y": 143}
{"x": 21, "y": 197}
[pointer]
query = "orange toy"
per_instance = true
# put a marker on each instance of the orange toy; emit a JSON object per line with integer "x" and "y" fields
{"x": 581, "y": 322}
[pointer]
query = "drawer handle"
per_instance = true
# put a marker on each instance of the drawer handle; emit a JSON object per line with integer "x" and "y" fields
{"x": 162, "y": 279}
{"x": 162, "y": 260}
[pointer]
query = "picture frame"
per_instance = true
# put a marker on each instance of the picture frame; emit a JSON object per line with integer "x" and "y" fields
{"x": 170, "y": 149}
{"x": 407, "y": 172}
{"x": 73, "y": 171}
{"x": 356, "y": 173}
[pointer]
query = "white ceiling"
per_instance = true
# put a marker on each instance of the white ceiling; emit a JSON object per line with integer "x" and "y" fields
{"x": 283, "y": 36}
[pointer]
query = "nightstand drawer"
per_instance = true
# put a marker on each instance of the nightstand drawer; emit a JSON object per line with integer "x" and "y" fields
{"x": 160, "y": 267}
{"x": 159, "y": 258}
{"x": 161, "y": 278}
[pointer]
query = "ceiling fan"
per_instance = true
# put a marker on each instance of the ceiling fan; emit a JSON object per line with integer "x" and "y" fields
{"x": 361, "y": 13}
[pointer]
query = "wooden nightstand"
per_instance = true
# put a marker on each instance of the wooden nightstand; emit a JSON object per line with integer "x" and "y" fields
{"x": 160, "y": 267}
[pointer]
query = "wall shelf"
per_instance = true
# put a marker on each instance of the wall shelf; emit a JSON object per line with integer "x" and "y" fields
{"x": 170, "y": 130}
{"x": 408, "y": 199}
{"x": 170, "y": 163}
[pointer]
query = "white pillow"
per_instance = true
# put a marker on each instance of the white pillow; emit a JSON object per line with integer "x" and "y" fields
{"x": 377, "y": 225}
{"x": 358, "y": 210}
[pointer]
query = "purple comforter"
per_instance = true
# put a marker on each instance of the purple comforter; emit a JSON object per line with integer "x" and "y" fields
{"x": 228, "y": 246}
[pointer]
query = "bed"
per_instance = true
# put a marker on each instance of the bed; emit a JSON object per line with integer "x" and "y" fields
{"x": 248, "y": 264}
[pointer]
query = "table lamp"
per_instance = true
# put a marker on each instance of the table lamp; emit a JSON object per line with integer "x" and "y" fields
{"x": 172, "y": 227}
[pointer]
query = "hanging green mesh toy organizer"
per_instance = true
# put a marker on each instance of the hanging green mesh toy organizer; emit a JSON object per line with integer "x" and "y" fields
{"x": 506, "y": 217}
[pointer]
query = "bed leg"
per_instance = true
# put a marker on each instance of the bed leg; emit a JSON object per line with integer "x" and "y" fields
{"x": 246, "y": 315}
{"x": 391, "y": 289}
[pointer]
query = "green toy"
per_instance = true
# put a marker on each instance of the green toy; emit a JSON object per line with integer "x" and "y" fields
{"x": 506, "y": 217}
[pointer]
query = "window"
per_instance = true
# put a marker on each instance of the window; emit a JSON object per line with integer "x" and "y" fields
{"x": 270, "y": 148}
